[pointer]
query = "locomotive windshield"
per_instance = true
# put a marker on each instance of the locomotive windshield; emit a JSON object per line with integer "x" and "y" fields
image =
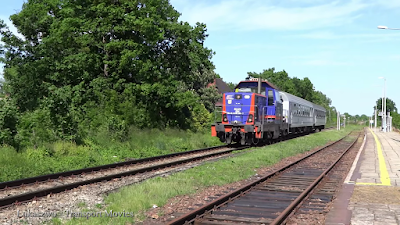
{"x": 250, "y": 89}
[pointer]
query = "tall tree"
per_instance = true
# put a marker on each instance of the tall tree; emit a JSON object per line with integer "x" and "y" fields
{"x": 305, "y": 88}
{"x": 74, "y": 52}
{"x": 281, "y": 79}
{"x": 396, "y": 120}
{"x": 390, "y": 105}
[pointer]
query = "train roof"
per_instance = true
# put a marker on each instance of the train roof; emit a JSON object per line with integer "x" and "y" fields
{"x": 292, "y": 98}
{"x": 319, "y": 107}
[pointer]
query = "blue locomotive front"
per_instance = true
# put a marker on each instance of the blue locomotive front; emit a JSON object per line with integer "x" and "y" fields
{"x": 250, "y": 116}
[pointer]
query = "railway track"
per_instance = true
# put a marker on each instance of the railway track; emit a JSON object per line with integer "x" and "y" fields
{"x": 15, "y": 192}
{"x": 23, "y": 190}
{"x": 274, "y": 197}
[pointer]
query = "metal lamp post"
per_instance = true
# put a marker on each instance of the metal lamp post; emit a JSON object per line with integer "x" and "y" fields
{"x": 384, "y": 106}
{"x": 384, "y": 90}
{"x": 376, "y": 112}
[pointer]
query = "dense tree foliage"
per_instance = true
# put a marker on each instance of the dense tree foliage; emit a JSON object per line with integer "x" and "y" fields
{"x": 395, "y": 120}
{"x": 232, "y": 85}
{"x": 2, "y": 91}
{"x": 87, "y": 64}
{"x": 390, "y": 105}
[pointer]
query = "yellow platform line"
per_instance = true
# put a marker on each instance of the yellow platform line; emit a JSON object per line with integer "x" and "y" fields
{"x": 385, "y": 180}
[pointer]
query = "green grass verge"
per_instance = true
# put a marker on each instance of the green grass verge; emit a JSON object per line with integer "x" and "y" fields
{"x": 140, "y": 197}
{"x": 98, "y": 150}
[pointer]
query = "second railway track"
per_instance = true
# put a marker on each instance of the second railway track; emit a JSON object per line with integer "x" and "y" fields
{"x": 272, "y": 198}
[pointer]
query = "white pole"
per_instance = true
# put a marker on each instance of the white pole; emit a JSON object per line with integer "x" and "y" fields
{"x": 382, "y": 108}
{"x": 370, "y": 124}
{"x": 376, "y": 110}
{"x": 330, "y": 119}
{"x": 384, "y": 99}
{"x": 344, "y": 122}
{"x": 391, "y": 124}
{"x": 337, "y": 120}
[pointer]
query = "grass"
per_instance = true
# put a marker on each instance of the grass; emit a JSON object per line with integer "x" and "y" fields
{"x": 97, "y": 150}
{"x": 141, "y": 197}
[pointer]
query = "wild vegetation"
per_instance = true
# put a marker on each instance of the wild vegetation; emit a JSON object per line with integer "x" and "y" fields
{"x": 98, "y": 149}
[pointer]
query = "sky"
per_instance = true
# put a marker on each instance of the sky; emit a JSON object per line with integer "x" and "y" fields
{"x": 336, "y": 44}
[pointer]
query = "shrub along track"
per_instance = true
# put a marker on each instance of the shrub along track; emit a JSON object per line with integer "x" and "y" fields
{"x": 272, "y": 198}
{"x": 23, "y": 190}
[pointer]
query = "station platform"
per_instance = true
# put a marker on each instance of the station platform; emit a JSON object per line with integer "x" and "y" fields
{"x": 371, "y": 191}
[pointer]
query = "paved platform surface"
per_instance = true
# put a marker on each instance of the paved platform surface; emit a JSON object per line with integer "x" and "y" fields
{"x": 371, "y": 192}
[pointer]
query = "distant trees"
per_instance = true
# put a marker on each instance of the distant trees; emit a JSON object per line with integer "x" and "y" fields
{"x": 232, "y": 85}
{"x": 395, "y": 120}
{"x": 390, "y": 105}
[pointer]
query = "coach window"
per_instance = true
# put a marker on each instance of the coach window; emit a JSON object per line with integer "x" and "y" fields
{"x": 270, "y": 97}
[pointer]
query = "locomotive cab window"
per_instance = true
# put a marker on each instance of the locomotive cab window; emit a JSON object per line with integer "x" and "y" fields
{"x": 270, "y": 97}
{"x": 251, "y": 89}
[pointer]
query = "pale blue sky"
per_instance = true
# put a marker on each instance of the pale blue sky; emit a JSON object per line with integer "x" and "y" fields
{"x": 336, "y": 44}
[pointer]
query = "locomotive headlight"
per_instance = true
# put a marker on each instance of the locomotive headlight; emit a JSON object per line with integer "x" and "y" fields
{"x": 224, "y": 118}
{"x": 250, "y": 119}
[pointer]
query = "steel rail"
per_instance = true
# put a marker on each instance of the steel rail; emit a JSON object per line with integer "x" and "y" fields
{"x": 31, "y": 180}
{"x": 285, "y": 214}
{"x": 189, "y": 217}
{"x": 5, "y": 202}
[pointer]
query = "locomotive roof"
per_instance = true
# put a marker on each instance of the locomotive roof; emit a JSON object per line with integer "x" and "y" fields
{"x": 263, "y": 82}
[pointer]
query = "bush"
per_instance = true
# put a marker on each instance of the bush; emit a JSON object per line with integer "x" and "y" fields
{"x": 200, "y": 118}
{"x": 35, "y": 128}
{"x": 117, "y": 128}
{"x": 8, "y": 122}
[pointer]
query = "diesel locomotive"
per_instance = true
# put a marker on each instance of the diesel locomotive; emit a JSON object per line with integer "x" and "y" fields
{"x": 258, "y": 112}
